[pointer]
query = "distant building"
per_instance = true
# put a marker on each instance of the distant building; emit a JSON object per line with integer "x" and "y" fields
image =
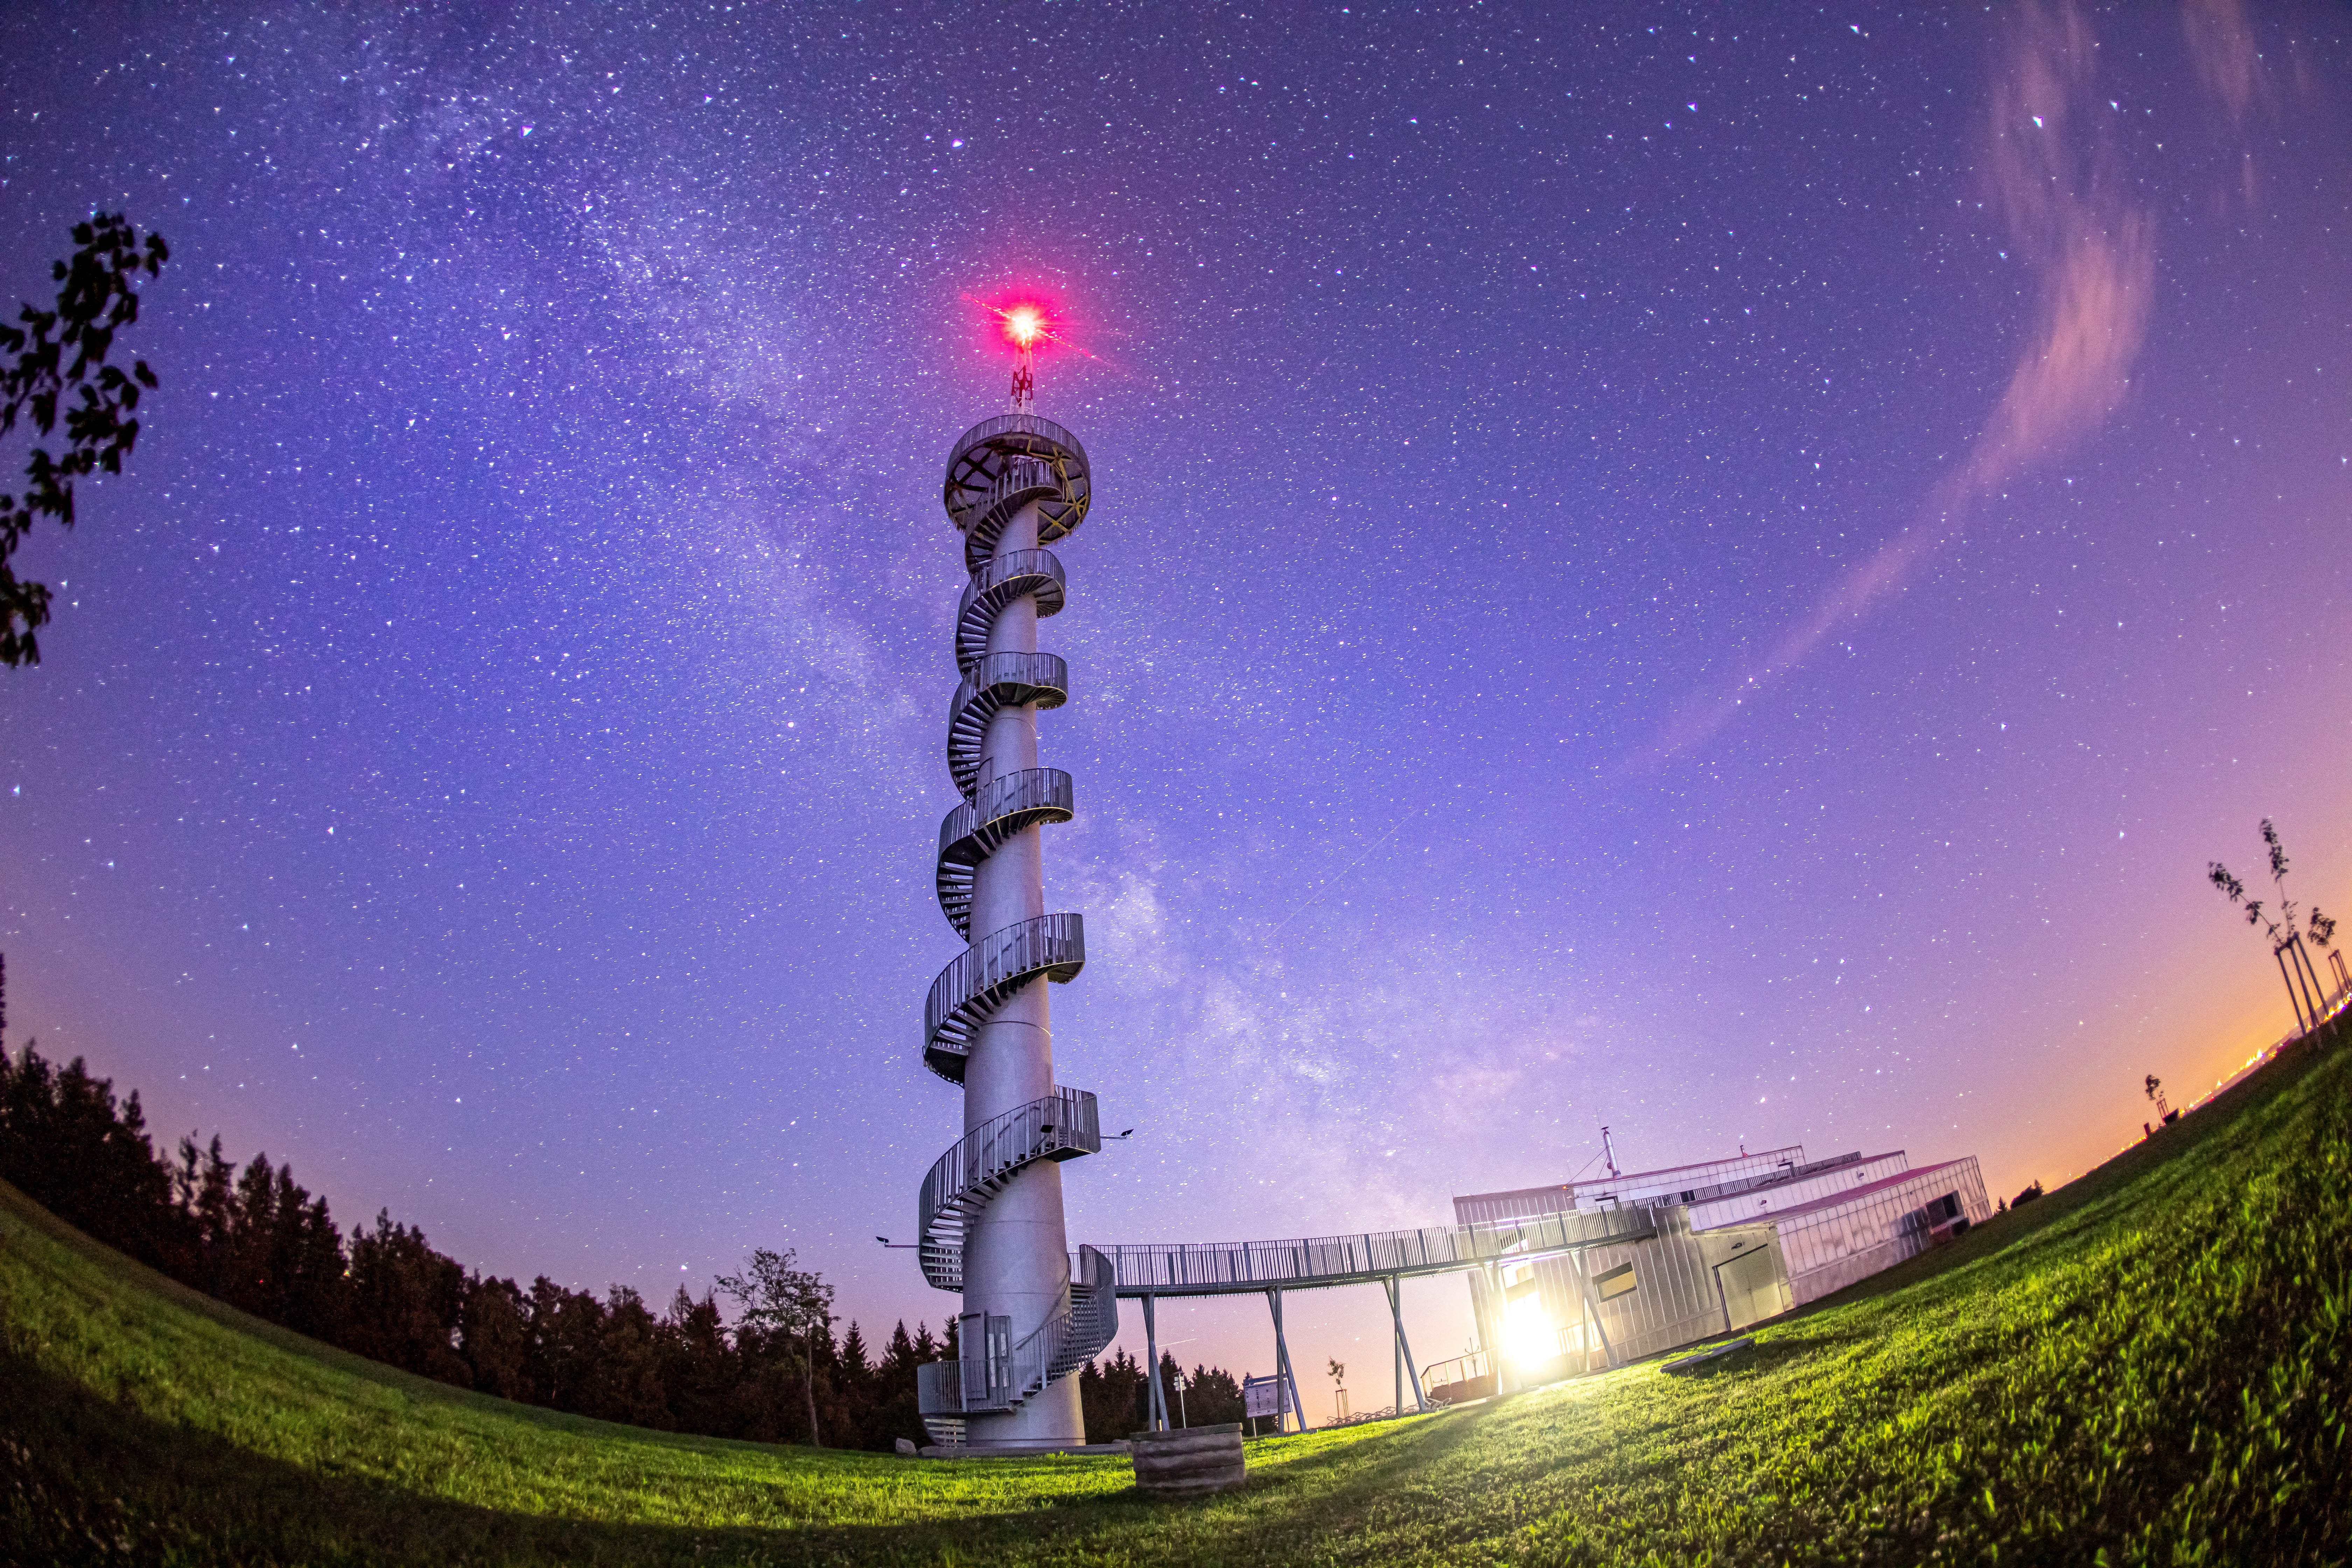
{"x": 1738, "y": 1240}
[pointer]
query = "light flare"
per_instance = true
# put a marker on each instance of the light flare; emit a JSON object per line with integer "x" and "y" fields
{"x": 1026, "y": 324}
{"x": 1526, "y": 1334}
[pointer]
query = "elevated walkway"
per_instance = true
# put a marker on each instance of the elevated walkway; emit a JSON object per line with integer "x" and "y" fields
{"x": 1372, "y": 1258}
{"x": 1383, "y": 1258}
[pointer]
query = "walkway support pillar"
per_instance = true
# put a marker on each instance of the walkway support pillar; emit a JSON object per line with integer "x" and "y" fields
{"x": 1157, "y": 1420}
{"x": 1592, "y": 1307}
{"x": 1499, "y": 1312}
{"x": 1282, "y": 1363}
{"x": 1406, "y": 1371}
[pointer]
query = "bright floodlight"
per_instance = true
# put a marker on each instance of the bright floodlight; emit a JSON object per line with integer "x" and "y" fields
{"x": 1526, "y": 1334}
{"x": 1023, "y": 323}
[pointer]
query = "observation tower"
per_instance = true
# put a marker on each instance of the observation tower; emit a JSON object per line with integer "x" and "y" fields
{"x": 991, "y": 1210}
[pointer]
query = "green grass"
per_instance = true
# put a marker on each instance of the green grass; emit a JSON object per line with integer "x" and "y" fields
{"x": 2149, "y": 1365}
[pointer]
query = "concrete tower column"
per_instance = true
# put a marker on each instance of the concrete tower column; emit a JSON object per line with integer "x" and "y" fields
{"x": 1016, "y": 1251}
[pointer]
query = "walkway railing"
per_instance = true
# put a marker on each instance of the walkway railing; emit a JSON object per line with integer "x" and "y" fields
{"x": 1228, "y": 1269}
{"x": 1468, "y": 1376}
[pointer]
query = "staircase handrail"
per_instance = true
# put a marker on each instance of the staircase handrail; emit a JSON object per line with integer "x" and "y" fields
{"x": 1060, "y": 1125}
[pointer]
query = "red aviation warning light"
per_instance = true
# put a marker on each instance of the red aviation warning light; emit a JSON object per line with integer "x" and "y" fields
{"x": 1025, "y": 323}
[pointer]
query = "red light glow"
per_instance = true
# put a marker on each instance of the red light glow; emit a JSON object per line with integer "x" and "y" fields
{"x": 1024, "y": 324}
{"x": 1028, "y": 325}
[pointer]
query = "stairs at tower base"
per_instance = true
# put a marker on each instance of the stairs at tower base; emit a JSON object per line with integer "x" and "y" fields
{"x": 991, "y": 1377}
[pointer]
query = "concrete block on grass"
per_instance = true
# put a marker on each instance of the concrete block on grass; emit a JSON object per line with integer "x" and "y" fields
{"x": 1193, "y": 1462}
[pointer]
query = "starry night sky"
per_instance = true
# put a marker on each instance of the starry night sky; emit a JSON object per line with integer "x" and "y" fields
{"x": 1717, "y": 570}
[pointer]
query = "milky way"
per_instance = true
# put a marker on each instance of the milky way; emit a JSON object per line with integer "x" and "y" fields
{"x": 1718, "y": 573}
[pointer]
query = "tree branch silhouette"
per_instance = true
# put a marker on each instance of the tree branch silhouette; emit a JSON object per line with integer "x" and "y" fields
{"x": 59, "y": 364}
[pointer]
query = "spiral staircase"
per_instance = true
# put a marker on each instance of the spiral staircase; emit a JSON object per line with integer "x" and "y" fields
{"x": 998, "y": 468}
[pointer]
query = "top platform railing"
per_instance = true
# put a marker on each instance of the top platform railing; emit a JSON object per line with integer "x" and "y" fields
{"x": 981, "y": 462}
{"x": 1241, "y": 1268}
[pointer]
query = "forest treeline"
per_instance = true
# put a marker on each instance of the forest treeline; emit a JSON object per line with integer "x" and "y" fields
{"x": 257, "y": 1240}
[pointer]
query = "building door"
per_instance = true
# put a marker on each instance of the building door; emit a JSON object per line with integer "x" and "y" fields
{"x": 1752, "y": 1287}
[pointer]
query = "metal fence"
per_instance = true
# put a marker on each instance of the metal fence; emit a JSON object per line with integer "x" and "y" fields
{"x": 1440, "y": 1382}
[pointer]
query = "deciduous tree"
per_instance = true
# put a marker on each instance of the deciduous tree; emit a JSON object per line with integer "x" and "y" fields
{"x": 790, "y": 1305}
{"x": 57, "y": 367}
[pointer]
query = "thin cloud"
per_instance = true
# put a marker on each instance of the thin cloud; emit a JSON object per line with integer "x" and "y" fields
{"x": 2222, "y": 48}
{"x": 2050, "y": 171}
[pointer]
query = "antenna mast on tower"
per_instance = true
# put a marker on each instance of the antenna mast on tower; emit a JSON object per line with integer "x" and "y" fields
{"x": 1024, "y": 324}
{"x": 1024, "y": 379}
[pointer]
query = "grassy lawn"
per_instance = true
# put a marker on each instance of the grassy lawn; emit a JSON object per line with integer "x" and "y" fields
{"x": 2150, "y": 1366}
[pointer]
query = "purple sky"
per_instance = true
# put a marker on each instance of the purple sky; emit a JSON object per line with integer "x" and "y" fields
{"x": 1714, "y": 571}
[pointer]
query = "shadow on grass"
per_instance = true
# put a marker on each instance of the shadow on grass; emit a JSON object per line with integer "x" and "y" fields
{"x": 16, "y": 1208}
{"x": 1745, "y": 1361}
{"x": 92, "y": 1481}
{"x": 86, "y": 1480}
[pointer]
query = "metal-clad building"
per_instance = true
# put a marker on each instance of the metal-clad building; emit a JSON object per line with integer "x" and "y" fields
{"x": 1738, "y": 1240}
{"x": 1683, "y": 1183}
{"x": 1805, "y": 1183}
{"x": 1833, "y": 1241}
